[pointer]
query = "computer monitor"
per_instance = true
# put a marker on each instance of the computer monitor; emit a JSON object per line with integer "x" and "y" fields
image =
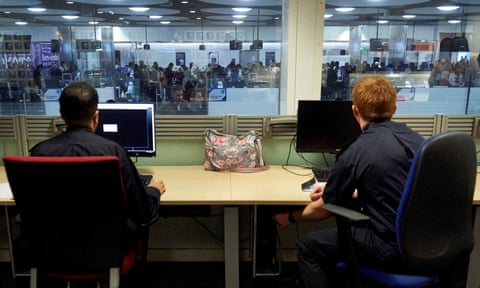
{"x": 325, "y": 126}
{"x": 131, "y": 125}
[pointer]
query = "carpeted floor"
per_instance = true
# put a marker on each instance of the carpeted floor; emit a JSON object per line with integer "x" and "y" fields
{"x": 176, "y": 275}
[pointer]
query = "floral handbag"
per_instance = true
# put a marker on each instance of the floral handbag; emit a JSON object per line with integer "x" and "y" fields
{"x": 234, "y": 153}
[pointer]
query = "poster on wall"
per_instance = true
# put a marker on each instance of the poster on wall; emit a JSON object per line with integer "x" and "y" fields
{"x": 180, "y": 58}
{"x": 269, "y": 58}
{"x": 42, "y": 54}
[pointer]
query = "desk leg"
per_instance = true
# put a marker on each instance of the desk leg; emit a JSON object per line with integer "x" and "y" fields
{"x": 473, "y": 277}
{"x": 231, "y": 246}
{"x": 10, "y": 242}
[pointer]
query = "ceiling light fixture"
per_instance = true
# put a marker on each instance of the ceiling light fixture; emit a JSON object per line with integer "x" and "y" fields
{"x": 155, "y": 16}
{"x": 70, "y": 17}
{"x": 242, "y": 9}
{"x": 344, "y": 9}
{"x": 237, "y": 22}
{"x": 93, "y": 22}
{"x": 139, "y": 9}
{"x": 326, "y": 16}
{"x": 165, "y": 22}
{"x": 454, "y": 21}
{"x": 239, "y": 16}
{"x": 21, "y": 23}
{"x": 448, "y": 8}
{"x": 408, "y": 16}
{"x": 382, "y": 21}
{"x": 36, "y": 9}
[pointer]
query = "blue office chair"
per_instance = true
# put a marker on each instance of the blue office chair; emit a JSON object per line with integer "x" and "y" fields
{"x": 73, "y": 216}
{"x": 434, "y": 223}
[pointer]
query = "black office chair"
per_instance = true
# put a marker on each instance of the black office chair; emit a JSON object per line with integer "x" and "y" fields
{"x": 434, "y": 219}
{"x": 73, "y": 216}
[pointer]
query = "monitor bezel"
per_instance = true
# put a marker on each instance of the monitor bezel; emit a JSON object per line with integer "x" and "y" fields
{"x": 149, "y": 108}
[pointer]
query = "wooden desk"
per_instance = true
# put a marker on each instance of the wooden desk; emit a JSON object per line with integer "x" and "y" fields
{"x": 191, "y": 185}
{"x": 275, "y": 186}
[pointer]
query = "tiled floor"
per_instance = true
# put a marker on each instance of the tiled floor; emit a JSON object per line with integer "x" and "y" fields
{"x": 179, "y": 275}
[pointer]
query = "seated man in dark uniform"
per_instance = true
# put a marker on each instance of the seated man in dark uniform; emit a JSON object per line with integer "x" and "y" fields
{"x": 78, "y": 108}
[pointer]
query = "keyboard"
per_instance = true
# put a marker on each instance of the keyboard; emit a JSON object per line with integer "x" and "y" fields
{"x": 145, "y": 179}
{"x": 320, "y": 174}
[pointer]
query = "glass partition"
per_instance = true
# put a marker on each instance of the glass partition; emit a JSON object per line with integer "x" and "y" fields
{"x": 432, "y": 65}
{"x": 236, "y": 69}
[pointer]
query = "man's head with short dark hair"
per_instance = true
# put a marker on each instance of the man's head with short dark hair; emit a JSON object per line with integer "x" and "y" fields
{"x": 177, "y": 93}
{"x": 78, "y": 102}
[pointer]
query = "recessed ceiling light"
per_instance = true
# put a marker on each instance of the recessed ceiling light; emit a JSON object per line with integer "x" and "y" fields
{"x": 382, "y": 21}
{"x": 344, "y": 9}
{"x": 93, "y": 22}
{"x": 70, "y": 17}
{"x": 192, "y": 11}
{"x": 237, "y": 22}
{"x": 36, "y": 9}
{"x": 7, "y": 12}
{"x": 165, "y": 22}
{"x": 448, "y": 7}
{"x": 155, "y": 16}
{"x": 326, "y": 16}
{"x": 184, "y": 2}
{"x": 139, "y": 9}
{"x": 239, "y": 16}
{"x": 454, "y": 21}
{"x": 409, "y": 16}
{"x": 241, "y": 9}
{"x": 69, "y": 2}
{"x": 21, "y": 23}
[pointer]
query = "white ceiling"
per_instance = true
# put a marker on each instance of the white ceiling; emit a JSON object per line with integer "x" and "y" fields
{"x": 219, "y": 12}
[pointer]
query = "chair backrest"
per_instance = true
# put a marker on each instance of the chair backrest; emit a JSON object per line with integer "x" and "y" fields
{"x": 73, "y": 210}
{"x": 434, "y": 219}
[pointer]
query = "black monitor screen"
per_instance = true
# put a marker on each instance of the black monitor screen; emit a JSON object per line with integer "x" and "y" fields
{"x": 325, "y": 126}
{"x": 132, "y": 125}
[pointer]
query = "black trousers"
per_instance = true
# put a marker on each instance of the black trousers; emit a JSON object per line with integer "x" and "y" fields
{"x": 317, "y": 256}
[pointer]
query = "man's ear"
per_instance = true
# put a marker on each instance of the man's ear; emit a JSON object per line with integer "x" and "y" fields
{"x": 355, "y": 112}
{"x": 95, "y": 120}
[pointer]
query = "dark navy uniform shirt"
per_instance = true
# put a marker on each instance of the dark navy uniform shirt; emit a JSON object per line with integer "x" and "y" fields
{"x": 143, "y": 202}
{"x": 376, "y": 164}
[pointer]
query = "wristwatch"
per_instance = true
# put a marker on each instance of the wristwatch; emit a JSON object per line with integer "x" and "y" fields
{"x": 291, "y": 219}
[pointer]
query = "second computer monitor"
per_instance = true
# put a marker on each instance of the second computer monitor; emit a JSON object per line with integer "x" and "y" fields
{"x": 325, "y": 126}
{"x": 132, "y": 125}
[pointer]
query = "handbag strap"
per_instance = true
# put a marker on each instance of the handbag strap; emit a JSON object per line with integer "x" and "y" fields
{"x": 250, "y": 170}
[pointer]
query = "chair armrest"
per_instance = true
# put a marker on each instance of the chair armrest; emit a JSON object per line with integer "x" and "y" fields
{"x": 349, "y": 214}
{"x": 345, "y": 218}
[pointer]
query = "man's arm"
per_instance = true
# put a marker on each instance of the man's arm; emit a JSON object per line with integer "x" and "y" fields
{"x": 312, "y": 212}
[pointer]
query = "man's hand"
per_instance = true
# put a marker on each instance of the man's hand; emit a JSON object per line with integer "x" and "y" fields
{"x": 281, "y": 219}
{"x": 317, "y": 192}
{"x": 159, "y": 185}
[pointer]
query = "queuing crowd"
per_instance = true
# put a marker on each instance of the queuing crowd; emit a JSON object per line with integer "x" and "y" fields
{"x": 336, "y": 78}
{"x": 152, "y": 81}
